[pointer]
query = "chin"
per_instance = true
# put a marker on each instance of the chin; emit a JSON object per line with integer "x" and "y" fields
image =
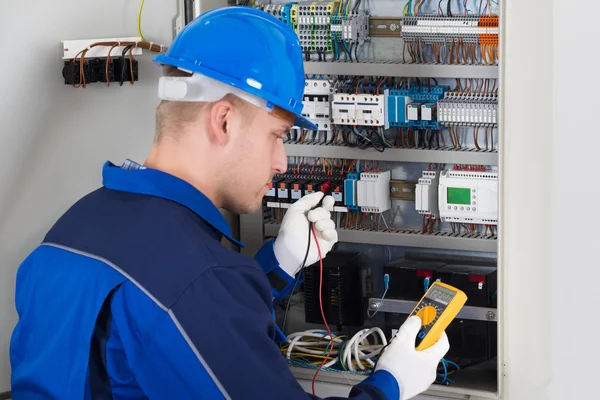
{"x": 245, "y": 208}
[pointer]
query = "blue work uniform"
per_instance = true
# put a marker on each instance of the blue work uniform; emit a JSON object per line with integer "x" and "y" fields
{"x": 132, "y": 295}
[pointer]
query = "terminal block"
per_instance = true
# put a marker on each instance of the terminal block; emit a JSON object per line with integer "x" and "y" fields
{"x": 468, "y": 110}
{"x": 437, "y": 29}
{"x": 314, "y": 26}
{"x": 95, "y": 70}
{"x": 415, "y": 107}
{"x": 468, "y": 39}
{"x": 355, "y": 27}
{"x": 275, "y": 10}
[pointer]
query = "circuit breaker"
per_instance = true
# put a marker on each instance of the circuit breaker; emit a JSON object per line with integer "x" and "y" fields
{"x": 426, "y": 194}
{"x": 373, "y": 192}
{"x": 316, "y": 103}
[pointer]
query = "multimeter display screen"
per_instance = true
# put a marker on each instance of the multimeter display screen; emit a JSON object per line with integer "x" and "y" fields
{"x": 441, "y": 294}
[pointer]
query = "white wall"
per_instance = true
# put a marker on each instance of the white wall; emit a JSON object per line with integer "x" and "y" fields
{"x": 576, "y": 198}
{"x": 54, "y": 138}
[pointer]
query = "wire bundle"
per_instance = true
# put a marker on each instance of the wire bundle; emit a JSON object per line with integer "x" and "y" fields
{"x": 341, "y": 12}
{"x": 355, "y": 354}
{"x": 444, "y": 380}
{"x": 470, "y": 49}
{"x": 128, "y": 47}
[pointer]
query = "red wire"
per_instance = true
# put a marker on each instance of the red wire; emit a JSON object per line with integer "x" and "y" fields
{"x": 322, "y": 312}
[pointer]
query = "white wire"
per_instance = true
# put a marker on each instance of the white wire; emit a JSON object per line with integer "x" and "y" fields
{"x": 353, "y": 345}
{"x": 357, "y": 349}
{"x": 384, "y": 221}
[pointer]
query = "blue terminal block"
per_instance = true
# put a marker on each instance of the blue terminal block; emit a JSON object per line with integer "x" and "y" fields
{"x": 400, "y": 99}
{"x": 397, "y": 104}
{"x": 286, "y": 14}
{"x": 428, "y": 94}
{"x": 350, "y": 192}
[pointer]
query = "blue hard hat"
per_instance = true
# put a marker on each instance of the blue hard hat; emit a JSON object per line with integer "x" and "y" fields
{"x": 248, "y": 49}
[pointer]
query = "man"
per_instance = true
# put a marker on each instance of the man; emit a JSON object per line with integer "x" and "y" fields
{"x": 132, "y": 295}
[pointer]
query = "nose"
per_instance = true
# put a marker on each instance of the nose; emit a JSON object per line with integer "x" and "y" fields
{"x": 279, "y": 158}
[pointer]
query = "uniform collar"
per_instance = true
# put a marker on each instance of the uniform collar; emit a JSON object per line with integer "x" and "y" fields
{"x": 153, "y": 182}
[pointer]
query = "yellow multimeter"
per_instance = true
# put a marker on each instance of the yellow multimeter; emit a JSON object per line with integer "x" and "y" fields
{"x": 437, "y": 308}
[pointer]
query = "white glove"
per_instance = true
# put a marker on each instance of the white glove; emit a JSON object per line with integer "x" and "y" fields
{"x": 414, "y": 370}
{"x": 292, "y": 241}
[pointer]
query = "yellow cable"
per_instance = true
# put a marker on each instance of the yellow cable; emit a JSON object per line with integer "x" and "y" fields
{"x": 308, "y": 355}
{"x": 140, "y": 20}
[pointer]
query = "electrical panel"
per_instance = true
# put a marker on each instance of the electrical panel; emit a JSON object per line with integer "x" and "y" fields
{"x": 407, "y": 109}
{"x": 469, "y": 197}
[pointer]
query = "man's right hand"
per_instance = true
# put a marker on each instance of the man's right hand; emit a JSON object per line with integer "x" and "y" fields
{"x": 414, "y": 370}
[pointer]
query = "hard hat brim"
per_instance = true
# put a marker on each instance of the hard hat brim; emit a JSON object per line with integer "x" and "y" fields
{"x": 304, "y": 123}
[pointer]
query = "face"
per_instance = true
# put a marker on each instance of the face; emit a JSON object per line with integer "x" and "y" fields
{"x": 255, "y": 153}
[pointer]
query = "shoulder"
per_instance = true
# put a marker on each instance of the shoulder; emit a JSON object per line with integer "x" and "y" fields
{"x": 161, "y": 246}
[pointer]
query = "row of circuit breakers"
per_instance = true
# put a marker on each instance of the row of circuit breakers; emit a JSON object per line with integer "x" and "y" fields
{"x": 451, "y": 195}
{"x": 419, "y": 106}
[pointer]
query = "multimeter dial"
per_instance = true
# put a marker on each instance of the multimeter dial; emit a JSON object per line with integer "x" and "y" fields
{"x": 436, "y": 309}
{"x": 429, "y": 311}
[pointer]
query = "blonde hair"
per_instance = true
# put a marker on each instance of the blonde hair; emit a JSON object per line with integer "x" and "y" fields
{"x": 173, "y": 116}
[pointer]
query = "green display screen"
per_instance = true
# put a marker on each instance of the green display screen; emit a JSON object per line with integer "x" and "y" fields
{"x": 458, "y": 196}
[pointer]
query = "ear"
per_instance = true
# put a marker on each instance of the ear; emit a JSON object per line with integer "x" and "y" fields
{"x": 221, "y": 118}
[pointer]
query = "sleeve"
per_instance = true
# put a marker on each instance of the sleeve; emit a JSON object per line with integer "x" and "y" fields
{"x": 281, "y": 283}
{"x": 226, "y": 318}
